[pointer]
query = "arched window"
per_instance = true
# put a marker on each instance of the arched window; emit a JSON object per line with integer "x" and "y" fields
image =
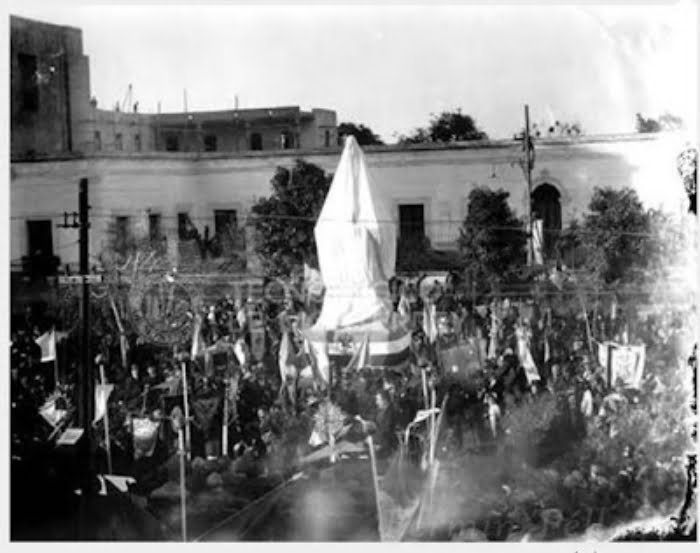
{"x": 256, "y": 142}
{"x": 546, "y": 205}
{"x": 328, "y": 138}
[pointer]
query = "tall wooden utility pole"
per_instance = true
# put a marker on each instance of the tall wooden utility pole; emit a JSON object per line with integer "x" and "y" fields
{"x": 86, "y": 389}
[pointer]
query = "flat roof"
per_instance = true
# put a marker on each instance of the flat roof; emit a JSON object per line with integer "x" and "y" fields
{"x": 389, "y": 148}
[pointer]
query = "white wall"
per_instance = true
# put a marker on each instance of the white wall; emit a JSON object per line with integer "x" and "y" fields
{"x": 439, "y": 178}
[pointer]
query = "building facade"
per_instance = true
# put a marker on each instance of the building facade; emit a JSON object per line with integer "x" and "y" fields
{"x": 49, "y": 90}
{"x": 186, "y": 179}
{"x": 162, "y": 194}
{"x": 53, "y": 114}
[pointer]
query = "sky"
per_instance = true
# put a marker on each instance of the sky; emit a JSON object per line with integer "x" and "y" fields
{"x": 391, "y": 66}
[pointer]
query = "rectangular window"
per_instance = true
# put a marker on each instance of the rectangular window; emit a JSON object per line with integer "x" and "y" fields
{"x": 137, "y": 142}
{"x": 98, "y": 141}
{"x": 118, "y": 144}
{"x": 154, "y": 228}
{"x": 210, "y": 143}
{"x": 29, "y": 82}
{"x": 121, "y": 234}
{"x": 40, "y": 260}
{"x": 39, "y": 238}
{"x": 411, "y": 221}
{"x": 172, "y": 143}
{"x": 183, "y": 223}
{"x": 226, "y": 227}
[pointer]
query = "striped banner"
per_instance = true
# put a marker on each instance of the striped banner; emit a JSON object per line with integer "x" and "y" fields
{"x": 388, "y": 343}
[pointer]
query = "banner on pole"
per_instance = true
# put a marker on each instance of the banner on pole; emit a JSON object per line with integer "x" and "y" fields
{"x": 625, "y": 363}
{"x": 47, "y": 343}
{"x": 145, "y": 437}
{"x": 51, "y": 414}
{"x": 102, "y": 393}
{"x": 525, "y": 356}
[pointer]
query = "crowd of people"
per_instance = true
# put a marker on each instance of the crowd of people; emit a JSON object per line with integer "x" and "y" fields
{"x": 235, "y": 386}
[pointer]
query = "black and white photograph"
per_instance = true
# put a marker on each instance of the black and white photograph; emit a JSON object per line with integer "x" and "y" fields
{"x": 359, "y": 272}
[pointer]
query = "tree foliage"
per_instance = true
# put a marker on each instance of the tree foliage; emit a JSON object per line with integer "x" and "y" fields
{"x": 665, "y": 122}
{"x": 614, "y": 239}
{"x": 284, "y": 222}
{"x": 448, "y": 126}
{"x": 492, "y": 239}
{"x": 364, "y": 135}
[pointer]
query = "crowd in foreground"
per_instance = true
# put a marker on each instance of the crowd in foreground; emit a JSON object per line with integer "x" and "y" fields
{"x": 270, "y": 421}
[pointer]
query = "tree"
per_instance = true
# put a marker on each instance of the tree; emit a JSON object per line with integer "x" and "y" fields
{"x": 454, "y": 127}
{"x": 284, "y": 222}
{"x": 492, "y": 239}
{"x": 647, "y": 125}
{"x": 615, "y": 237}
{"x": 665, "y": 122}
{"x": 364, "y": 135}
{"x": 446, "y": 127}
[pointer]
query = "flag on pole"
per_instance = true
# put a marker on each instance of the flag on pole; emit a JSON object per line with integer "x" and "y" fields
{"x": 404, "y": 307}
{"x": 47, "y": 343}
{"x": 525, "y": 357}
{"x": 429, "y": 322}
{"x": 537, "y": 241}
{"x": 197, "y": 342}
{"x": 240, "y": 350}
{"x": 320, "y": 364}
{"x": 286, "y": 358}
{"x": 360, "y": 358}
{"x": 51, "y": 414}
{"x": 102, "y": 393}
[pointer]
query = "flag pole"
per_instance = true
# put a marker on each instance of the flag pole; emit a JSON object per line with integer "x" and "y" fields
{"x": 108, "y": 447}
{"x": 183, "y": 364}
{"x": 183, "y": 491}
{"x": 55, "y": 359}
{"x": 224, "y": 425}
{"x": 375, "y": 482}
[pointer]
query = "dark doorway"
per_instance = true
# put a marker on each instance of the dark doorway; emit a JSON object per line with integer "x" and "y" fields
{"x": 256, "y": 142}
{"x": 172, "y": 143}
{"x": 226, "y": 228}
{"x": 546, "y": 205}
{"x": 210, "y": 143}
{"x": 40, "y": 238}
{"x": 411, "y": 221}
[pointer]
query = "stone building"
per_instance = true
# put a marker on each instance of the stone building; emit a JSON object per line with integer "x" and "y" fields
{"x": 53, "y": 114}
{"x": 49, "y": 89}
